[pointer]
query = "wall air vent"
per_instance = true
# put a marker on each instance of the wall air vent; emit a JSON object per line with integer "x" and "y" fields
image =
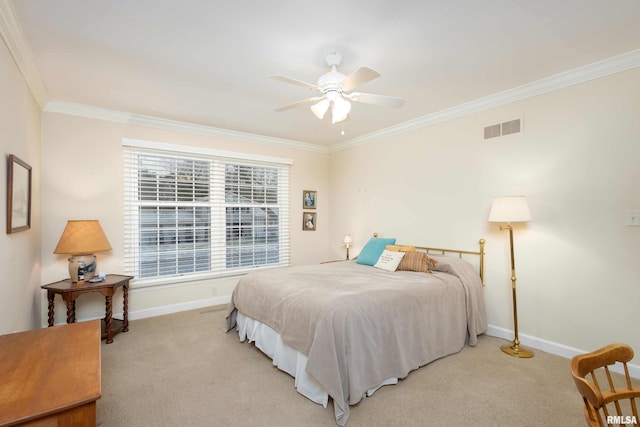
{"x": 502, "y": 129}
{"x": 492, "y": 131}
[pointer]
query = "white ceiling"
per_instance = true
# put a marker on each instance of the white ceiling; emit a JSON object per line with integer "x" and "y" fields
{"x": 208, "y": 62}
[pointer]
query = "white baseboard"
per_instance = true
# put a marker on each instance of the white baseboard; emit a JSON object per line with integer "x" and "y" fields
{"x": 167, "y": 309}
{"x": 175, "y": 308}
{"x": 553, "y": 348}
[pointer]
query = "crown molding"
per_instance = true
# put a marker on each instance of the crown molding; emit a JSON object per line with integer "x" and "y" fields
{"x": 88, "y": 111}
{"x": 613, "y": 65}
{"x": 13, "y": 36}
{"x": 18, "y": 46}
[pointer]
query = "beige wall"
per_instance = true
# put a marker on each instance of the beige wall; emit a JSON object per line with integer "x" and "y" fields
{"x": 19, "y": 252}
{"x": 82, "y": 178}
{"x": 578, "y": 164}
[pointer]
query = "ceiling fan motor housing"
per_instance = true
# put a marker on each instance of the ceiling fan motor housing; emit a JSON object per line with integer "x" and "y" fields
{"x": 330, "y": 82}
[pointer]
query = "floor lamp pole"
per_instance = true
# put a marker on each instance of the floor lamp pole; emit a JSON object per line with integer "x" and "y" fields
{"x": 514, "y": 349}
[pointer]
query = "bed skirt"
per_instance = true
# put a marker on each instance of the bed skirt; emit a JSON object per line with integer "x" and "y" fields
{"x": 287, "y": 359}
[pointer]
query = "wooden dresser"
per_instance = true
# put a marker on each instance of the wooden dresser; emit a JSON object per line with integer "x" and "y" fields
{"x": 51, "y": 377}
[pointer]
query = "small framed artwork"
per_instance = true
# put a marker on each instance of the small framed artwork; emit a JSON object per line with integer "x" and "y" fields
{"x": 18, "y": 195}
{"x": 309, "y": 199}
{"x": 309, "y": 221}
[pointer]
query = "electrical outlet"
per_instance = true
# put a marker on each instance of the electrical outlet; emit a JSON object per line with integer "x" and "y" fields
{"x": 633, "y": 218}
{"x": 214, "y": 290}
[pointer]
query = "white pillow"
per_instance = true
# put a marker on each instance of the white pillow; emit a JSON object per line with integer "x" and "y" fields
{"x": 389, "y": 260}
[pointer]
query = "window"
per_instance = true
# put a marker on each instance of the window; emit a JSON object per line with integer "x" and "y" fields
{"x": 202, "y": 212}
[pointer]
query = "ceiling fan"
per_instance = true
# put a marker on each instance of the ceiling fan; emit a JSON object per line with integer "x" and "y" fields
{"x": 336, "y": 90}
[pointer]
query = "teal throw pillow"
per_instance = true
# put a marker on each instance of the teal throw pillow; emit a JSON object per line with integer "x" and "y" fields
{"x": 373, "y": 249}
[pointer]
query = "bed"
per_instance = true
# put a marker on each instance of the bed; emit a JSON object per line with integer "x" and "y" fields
{"x": 344, "y": 329}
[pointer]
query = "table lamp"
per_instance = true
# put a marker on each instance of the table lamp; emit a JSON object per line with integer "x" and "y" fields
{"x": 507, "y": 210}
{"x": 347, "y": 242}
{"x": 81, "y": 239}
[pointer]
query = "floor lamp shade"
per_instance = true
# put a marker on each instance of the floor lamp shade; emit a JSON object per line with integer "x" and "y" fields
{"x": 510, "y": 209}
{"x": 507, "y": 210}
{"x": 82, "y": 239}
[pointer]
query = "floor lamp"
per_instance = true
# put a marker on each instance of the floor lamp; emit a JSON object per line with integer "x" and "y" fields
{"x": 507, "y": 210}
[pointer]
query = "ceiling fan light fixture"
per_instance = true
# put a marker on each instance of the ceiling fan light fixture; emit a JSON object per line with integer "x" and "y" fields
{"x": 340, "y": 110}
{"x": 320, "y": 108}
{"x": 336, "y": 91}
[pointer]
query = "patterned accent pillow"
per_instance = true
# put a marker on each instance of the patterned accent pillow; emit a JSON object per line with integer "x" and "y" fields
{"x": 416, "y": 261}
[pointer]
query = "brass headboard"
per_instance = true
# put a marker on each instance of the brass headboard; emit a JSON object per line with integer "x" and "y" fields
{"x": 480, "y": 253}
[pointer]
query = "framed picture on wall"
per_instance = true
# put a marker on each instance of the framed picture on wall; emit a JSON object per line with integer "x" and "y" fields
{"x": 309, "y": 221}
{"x": 309, "y": 199}
{"x": 18, "y": 195}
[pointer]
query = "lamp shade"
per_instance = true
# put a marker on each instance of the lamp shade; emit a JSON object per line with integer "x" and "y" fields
{"x": 347, "y": 239}
{"x": 82, "y": 237}
{"x": 340, "y": 110}
{"x": 510, "y": 209}
{"x": 320, "y": 108}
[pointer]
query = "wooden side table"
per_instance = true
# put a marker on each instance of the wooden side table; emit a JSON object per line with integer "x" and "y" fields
{"x": 51, "y": 376}
{"x": 70, "y": 292}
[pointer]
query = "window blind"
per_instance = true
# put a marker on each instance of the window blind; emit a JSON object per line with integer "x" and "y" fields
{"x": 192, "y": 215}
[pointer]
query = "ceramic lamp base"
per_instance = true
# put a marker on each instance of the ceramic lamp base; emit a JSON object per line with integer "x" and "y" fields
{"x": 89, "y": 264}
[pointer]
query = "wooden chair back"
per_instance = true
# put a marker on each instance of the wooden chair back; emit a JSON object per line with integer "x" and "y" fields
{"x": 615, "y": 402}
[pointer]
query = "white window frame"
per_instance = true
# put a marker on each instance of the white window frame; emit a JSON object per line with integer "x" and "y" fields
{"x": 217, "y": 204}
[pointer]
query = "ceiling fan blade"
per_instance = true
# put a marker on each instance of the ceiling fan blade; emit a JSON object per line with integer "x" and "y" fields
{"x": 297, "y": 83}
{"x": 369, "y": 98}
{"x": 299, "y": 103}
{"x": 358, "y": 77}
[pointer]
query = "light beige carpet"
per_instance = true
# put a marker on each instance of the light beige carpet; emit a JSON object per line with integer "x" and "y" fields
{"x": 182, "y": 370}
